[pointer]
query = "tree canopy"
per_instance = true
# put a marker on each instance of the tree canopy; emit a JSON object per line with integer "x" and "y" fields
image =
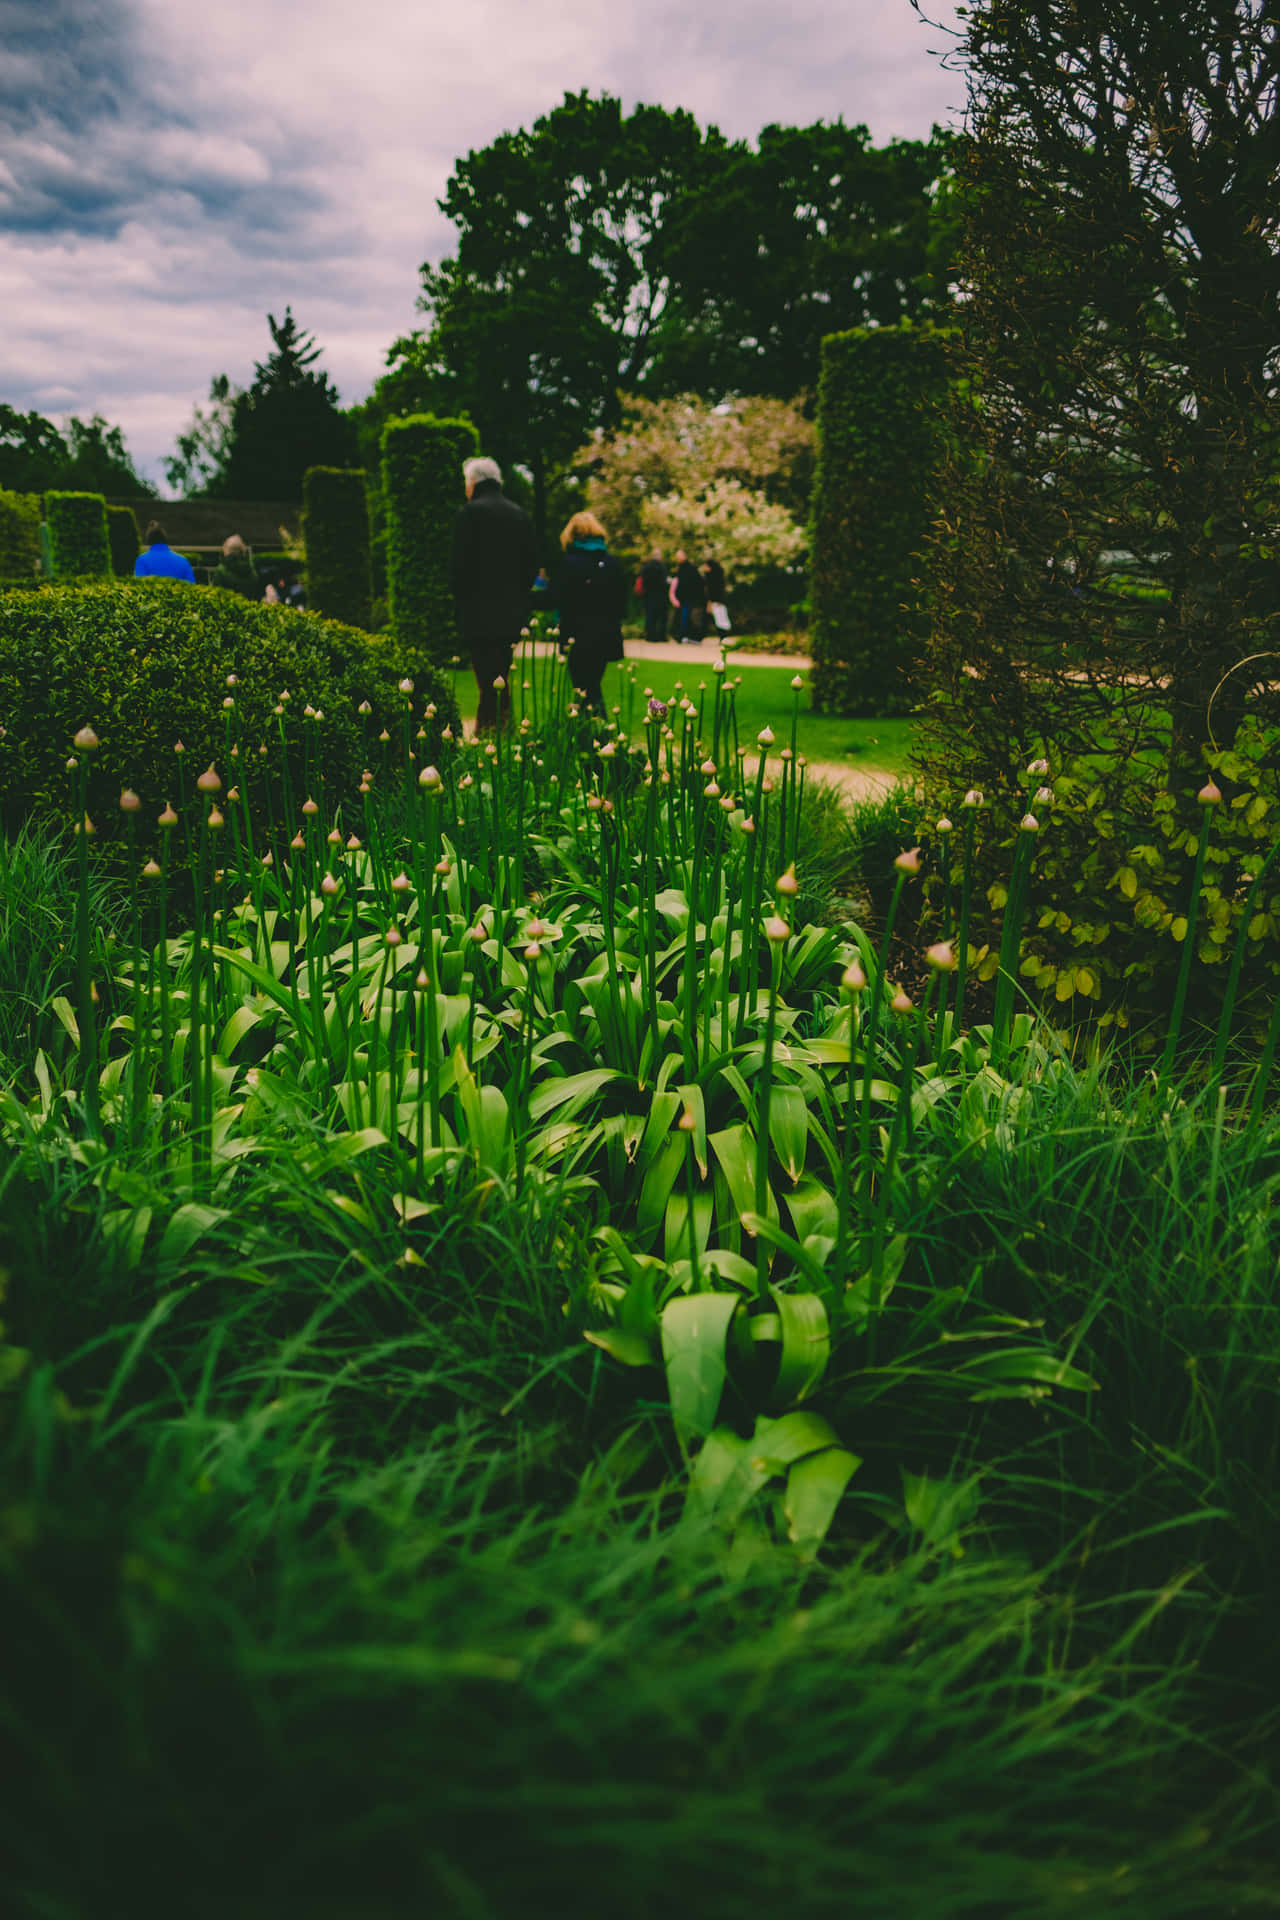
{"x": 90, "y": 456}
{"x": 602, "y": 252}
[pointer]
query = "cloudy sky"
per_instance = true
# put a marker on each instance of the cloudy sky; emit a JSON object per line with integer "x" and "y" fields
{"x": 171, "y": 172}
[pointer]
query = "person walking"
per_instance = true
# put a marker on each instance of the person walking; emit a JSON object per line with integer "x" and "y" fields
{"x": 717, "y": 596}
{"x": 236, "y": 570}
{"x": 688, "y": 597}
{"x": 589, "y": 589}
{"x": 653, "y": 586}
{"x": 159, "y": 560}
{"x": 492, "y": 566}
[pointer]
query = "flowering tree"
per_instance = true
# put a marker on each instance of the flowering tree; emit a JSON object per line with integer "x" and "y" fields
{"x": 730, "y": 481}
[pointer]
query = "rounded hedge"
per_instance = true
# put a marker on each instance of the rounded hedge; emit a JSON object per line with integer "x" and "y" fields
{"x": 146, "y": 665}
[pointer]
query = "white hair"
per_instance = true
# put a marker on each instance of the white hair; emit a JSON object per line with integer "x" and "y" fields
{"x": 473, "y": 471}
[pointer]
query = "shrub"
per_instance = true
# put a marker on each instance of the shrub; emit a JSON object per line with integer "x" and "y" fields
{"x": 122, "y": 532}
{"x": 146, "y": 665}
{"x": 19, "y": 538}
{"x": 79, "y": 544}
{"x": 335, "y": 525}
{"x": 422, "y": 479}
{"x": 879, "y": 438}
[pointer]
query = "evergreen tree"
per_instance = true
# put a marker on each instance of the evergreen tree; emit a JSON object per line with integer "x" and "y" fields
{"x": 289, "y": 420}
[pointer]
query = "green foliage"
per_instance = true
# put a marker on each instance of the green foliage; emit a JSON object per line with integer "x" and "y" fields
{"x": 79, "y": 543}
{"x": 288, "y": 420}
{"x": 19, "y": 538}
{"x": 90, "y": 458}
{"x": 879, "y": 442}
{"x": 423, "y": 487}
{"x": 146, "y": 666}
{"x": 122, "y": 532}
{"x": 335, "y": 528}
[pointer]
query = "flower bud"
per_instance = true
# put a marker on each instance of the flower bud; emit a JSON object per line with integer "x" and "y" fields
{"x": 686, "y": 1123}
{"x": 333, "y": 838}
{"x": 787, "y": 882}
{"x": 1210, "y": 793}
{"x": 1029, "y": 823}
{"x": 430, "y": 779}
{"x": 853, "y": 978}
{"x": 354, "y": 845}
{"x": 942, "y": 956}
{"x": 129, "y": 801}
{"x": 1037, "y": 769}
{"x": 86, "y": 740}
{"x": 533, "y": 951}
{"x": 209, "y": 781}
{"x": 393, "y": 937}
{"x": 298, "y": 843}
{"x": 310, "y": 809}
{"x": 406, "y": 686}
{"x": 444, "y": 867}
{"x": 329, "y": 885}
{"x": 168, "y": 818}
{"x": 776, "y": 929}
{"x": 797, "y": 681}
{"x": 908, "y": 862}
{"x": 364, "y": 707}
{"x": 901, "y": 1001}
{"x": 215, "y": 820}
{"x": 401, "y": 883}
{"x": 233, "y": 680}
{"x": 765, "y": 737}
{"x": 943, "y": 825}
{"x": 152, "y": 870}
{"x": 973, "y": 798}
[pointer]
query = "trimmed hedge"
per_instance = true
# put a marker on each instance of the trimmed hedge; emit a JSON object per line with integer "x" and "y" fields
{"x": 19, "y": 538}
{"x": 79, "y": 544}
{"x": 146, "y": 665}
{"x": 335, "y": 527}
{"x": 122, "y": 532}
{"x": 422, "y": 480}
{"x": 879, "y": 435}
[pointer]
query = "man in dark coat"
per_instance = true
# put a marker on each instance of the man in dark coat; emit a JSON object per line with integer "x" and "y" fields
{"x": 491, "y": 570}
{"x": 689, "y": 594}
{"x": 654, "y": 585}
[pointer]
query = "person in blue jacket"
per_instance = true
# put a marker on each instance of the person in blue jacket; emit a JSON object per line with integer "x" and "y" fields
{"x": 589, "y": 588}
{"x": 160, "y": 558}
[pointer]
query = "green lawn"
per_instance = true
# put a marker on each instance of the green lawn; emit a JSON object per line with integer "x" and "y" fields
{"x": 764, "y": 697}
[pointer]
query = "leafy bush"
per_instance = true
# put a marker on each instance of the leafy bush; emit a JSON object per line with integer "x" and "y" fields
{"x": 422, "y": 478}
{"x": 122, "y": 532}
{"x": 79, "y": 542}
{"x": 19, "y": 538}
{"x": 335, "y": 524}
{"x": 878, "y": 445}
{"x": 147, "y": 665}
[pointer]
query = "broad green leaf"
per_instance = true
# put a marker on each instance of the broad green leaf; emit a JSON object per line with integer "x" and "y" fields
{"x": 778, "y": 1443}
{"x": 789, "y": 1128}
{"x": 693, "y": 1346}
{"x": 188, "y": 1224}
{"x": 806, "y": 1345}
{"x": 773, "y": 1236}
{"x": 242, "y": 1021}
{"x": 1028, "y": 1363}
{"x": 938, "y": 1509}
{"x": 662, "y": 1174}
{"x": 815, "y": 1488}
{"x": 338, "y": 1151}
{"x": 630, "y": 1349}
{"x": 724, "y": 1478}
{"x": 62, "y": 1007}
{"x": 573, "y": 1091}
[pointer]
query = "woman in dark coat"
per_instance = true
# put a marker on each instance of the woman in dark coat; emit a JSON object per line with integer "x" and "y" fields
{"x": 589, "y": 590}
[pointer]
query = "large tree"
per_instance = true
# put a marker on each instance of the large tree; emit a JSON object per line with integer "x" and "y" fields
{"x": 601, "y": 252}
{"x": 90, "y": 456}
{"x": 1121, "y": 326}
{"x": 287, "y": 421}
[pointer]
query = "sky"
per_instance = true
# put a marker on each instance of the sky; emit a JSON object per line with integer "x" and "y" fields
{"x": 172, "y": 173}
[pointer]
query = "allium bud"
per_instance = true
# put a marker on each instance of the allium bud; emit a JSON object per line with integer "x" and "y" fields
{"x": 1044, "y": 796}
{"x": 708, "y": 766}
{"x": 329, "y": 885}
{"x": 901, "y": 1001}
{"x": 943, "y": 824}
{"x": 384, "y": 736}
{"x": 86, "y": 740}
{"x": 1029, "y": 823}
{"x": 129, "y": 801}
{"x": 533, "y": 951}
{"x": 87, "y": 828}
{"x": 1210, "y": 793}
{"x": 401, "y": 883}
{"x": 1037, "y": 769}
{"x": 393, "y": 937}
{"x": 853, "y": 978}
{"x": 973, "y": 798}
{"x": 421, "y": 980}
{"x": 178, "y": 747}
{"x": 364, "y": 707}
{"x": 686, "y": 1123}
{"x": 797, "y": 681}
{"x": 748, "y": 825}
{"x": 228, "y": 703}
{"x": 168, "y": 818}
{"x": 765, "y": 737}
{"x": 310, "y": 809}
{"x": 787, "y": 882}
{"x": 406, "y": 686}
{"x": 908, "y": 862}
{"x": 215, "y": 819}
{"x": 712, "y": 790}
{"x": 776, "y": 928}
{"x": 233, "y": 680}
{"x": 609, "y": 750}
{"x": 430, "y": 709}
{"x": 209, "y": 781}
{"x": 499, "y": 685}
{"x": 444, "y": 867}
{"x": 72, "y": 764}
{"x": 354, "y": 845}
{"x": 430, "y": 779}
{"x": 233, "y": 798}
{"x": 333, "y": 838}
{"x": 298, "y": 843}
{"x": 942, "y": 956}
{"x": 151, "y": 871}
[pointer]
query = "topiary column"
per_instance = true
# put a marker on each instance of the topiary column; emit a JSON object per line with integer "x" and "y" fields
{"x": 122, "y": 532}
{"x": 79, "y": 543}
{"x": 422, "y": 479}
{"x": 335, "y": 527}
{"x": 879, "y": 428}
{"x": 19, "y": 538}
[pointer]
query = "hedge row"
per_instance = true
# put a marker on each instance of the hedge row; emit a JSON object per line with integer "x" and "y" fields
{"x": 19, "y": 538}
{"x": 879, "y": 437}
{"x": 79, "y": 544}
{"x": 335, "y": 524}
{"x": 146, "y": 665}
{"x": 422, "y": 479}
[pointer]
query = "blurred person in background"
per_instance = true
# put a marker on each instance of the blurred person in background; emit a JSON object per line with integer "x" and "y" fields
{"x": 158, "y": 560}
{"x": 492, "y": 567}
{"x": 589, "y": 588}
